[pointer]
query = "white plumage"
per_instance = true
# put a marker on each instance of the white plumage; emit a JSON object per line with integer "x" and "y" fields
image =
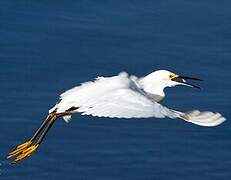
{"x": 122, "y": 96}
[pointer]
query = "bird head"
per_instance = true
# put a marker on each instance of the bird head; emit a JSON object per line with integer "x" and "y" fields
{"x": 155, "y": 82}
{"x": 170, "y": 79}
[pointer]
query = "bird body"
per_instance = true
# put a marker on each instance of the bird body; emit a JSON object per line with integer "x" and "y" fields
{"x": 120, "y": 96}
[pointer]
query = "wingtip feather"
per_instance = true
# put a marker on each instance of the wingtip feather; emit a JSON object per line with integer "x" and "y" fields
{"x": 209, "y": 119}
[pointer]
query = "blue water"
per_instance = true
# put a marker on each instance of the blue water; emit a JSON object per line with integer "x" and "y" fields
{"x": 47, "y": 47}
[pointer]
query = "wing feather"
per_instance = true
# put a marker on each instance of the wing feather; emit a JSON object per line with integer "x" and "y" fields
{"x": 125, "y": 103}
{"x": 206, "y": 118}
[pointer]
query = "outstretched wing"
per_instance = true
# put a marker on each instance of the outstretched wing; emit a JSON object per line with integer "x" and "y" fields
{"x": 125, "y": 103}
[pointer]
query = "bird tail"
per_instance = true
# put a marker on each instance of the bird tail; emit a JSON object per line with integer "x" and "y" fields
{"x": 206, "y": 118}
{"x": 26, "y": 149}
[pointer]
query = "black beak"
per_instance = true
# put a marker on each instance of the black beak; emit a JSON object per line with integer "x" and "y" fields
{"x": 182, "y": 81}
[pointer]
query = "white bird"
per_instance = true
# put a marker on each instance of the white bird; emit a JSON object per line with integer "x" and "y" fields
{"x": 120, "y": 96}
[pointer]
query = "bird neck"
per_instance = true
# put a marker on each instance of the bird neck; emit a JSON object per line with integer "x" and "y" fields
{"x": 154, "y": 87}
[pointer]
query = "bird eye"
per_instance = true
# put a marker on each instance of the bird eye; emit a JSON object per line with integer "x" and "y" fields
{"x": 171, "y": 76}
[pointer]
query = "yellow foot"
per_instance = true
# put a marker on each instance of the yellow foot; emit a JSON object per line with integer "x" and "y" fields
{"x": 26, "y": 152}
{"x": 19, "y": 149}
{"x": 26, "y": 144}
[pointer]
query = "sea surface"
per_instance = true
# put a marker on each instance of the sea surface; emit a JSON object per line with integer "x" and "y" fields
{"x": 47, "y": 47}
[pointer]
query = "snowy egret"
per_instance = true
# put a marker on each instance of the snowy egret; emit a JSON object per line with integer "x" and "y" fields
{"x": 120, "y": 96}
